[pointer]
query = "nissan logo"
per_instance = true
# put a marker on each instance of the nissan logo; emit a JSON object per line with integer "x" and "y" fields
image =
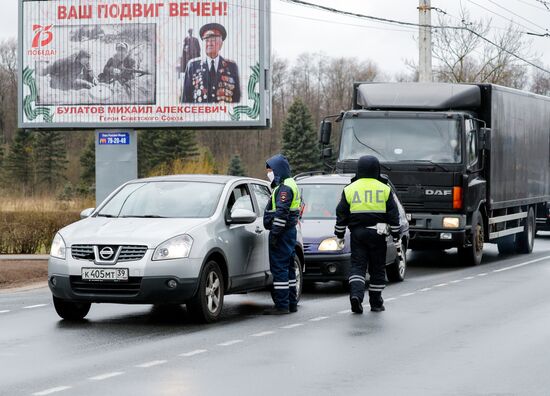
{"x": 106, "y": 253}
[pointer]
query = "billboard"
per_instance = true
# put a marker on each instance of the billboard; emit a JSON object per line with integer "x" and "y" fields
{"x": 144, "y": 64}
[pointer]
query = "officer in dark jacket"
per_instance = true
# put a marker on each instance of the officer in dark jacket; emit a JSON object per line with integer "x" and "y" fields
{"x": 213, "y": 79}
{"x": 281, "y": 216}
{"x": 367, "y": 207}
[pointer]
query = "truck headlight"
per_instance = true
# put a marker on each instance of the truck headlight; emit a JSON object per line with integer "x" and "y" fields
{"x": 330, "y": 245}
{"x": 177, "y": 247}
{"x": 58, "y": 249}
{"x": 451, "y": 222}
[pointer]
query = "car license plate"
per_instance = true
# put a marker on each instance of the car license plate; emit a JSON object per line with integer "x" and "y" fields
{"x": 409, "y": 216}
{"x": 105, "y": 274}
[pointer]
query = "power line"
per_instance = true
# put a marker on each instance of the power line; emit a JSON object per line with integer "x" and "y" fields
{"x": 397, "y": 22}
{"x": 544, "y": 3}
{"x": 519, "y": 16}
{"x": 532, "y": 5}
{"x": 500, "y": 15}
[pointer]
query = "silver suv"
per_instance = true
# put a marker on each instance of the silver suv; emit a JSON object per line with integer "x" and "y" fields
{"x": 176, "y": 239}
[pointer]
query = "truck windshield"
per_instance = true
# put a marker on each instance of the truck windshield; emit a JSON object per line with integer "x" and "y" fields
{"x": 402, "y": 139}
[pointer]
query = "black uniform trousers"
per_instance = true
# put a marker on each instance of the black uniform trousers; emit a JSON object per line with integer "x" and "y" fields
{"x": 368, "y": 250}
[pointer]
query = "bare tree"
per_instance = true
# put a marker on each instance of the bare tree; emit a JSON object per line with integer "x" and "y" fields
{"x": 466, "y": 55}
{"x": 8, "y": 88}
{"x": 541, "y": 82}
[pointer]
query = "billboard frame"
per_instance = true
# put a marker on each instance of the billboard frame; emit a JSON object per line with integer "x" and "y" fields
{"x": 264, "y": 121}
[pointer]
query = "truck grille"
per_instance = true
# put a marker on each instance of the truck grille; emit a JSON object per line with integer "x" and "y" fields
{"x": 127, "y": 253}
{"x": 130, "y": 288}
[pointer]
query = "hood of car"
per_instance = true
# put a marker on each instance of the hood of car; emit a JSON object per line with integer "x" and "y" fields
{"x": 317, "y": 230}
{"x": 126, "y": 231}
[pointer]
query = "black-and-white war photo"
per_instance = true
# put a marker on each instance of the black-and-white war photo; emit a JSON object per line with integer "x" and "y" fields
{"x": 101, "y": 65}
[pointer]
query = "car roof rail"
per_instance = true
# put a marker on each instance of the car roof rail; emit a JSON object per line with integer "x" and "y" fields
{"x": 310, "y": 173}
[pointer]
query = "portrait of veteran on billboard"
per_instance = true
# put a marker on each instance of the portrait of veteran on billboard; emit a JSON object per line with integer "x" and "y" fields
{"x": 101, "y": 65}
{"x": 212, "y": 78}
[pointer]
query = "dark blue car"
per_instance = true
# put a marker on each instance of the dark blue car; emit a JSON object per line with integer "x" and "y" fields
{"x": 324, "y": 259}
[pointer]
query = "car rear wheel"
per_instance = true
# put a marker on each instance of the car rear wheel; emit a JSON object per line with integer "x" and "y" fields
{"x": 397, "y": 270}
{"x": 70, "y": 310}
{"x": 206, "y": 306}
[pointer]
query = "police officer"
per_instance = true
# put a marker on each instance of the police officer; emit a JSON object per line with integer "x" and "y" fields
{"x": 281, "y": 216}
{"x": 367, "y": 207}
{"x": 213, "y": 79}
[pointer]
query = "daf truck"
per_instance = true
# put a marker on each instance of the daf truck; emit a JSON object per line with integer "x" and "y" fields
{"x": 470, "y": 162}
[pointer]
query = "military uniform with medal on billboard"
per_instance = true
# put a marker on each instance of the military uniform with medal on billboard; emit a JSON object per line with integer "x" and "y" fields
{"x": 213, "y": 79}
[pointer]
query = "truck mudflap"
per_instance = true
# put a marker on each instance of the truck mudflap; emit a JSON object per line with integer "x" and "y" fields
{"x": 441, "y": 231}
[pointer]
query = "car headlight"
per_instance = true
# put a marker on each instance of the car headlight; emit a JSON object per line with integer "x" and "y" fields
{"x": 58, "y": 249}
{"x": 177, "y": 247}
{"x": 330, "y": 245}
{"x": 451, "y": 222}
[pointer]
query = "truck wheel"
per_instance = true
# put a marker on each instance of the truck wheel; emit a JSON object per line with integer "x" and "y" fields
{"x": 526, "y": 239}
{"x": 507, "y": 245}
{"x": 471, "y": 255}
{"x": 396, "y": 271}
{"x": 70, "y": 310}
{"x": 206, "y": 306}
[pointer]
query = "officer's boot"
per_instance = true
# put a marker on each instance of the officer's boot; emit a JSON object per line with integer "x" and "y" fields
{"x": 376, "y": 301}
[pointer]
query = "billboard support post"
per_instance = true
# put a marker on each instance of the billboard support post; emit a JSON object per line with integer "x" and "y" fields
{"x": 115, "y": 160}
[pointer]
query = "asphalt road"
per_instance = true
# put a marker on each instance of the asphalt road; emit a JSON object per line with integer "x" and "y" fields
{"x": 447, "y": 330}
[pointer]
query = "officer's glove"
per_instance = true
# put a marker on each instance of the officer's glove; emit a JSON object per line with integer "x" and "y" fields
{"x": 397, "y": 243}
{"x": 341, "y": 242}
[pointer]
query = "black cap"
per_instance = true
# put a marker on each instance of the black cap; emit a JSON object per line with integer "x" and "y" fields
{"x": 212, "y": 27}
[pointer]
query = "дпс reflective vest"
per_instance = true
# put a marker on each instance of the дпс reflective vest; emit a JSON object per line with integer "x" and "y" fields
{"x": 367, "y": 196}
{"x": 296, "y": 200}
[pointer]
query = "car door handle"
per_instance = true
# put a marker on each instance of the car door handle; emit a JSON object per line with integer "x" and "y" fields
{"x": 259, "y": 230}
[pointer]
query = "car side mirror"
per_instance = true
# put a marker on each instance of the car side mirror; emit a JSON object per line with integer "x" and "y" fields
{"x": 86, "y": 213}
{"x": 242, "y": 216}
{"x": 325, "y": 133}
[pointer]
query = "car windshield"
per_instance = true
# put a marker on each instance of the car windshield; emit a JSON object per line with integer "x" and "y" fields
{"x": 321, "y": 200}
{"x": 402, "y": 139}
{"x": 164, "y": 200}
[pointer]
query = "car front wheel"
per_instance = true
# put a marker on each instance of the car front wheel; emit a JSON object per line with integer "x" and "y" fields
{"x": 298, "y": 270}
{"x": 206, "y": 306}
{"x": 396, "y": 271}
{"x": 70, "y": 310}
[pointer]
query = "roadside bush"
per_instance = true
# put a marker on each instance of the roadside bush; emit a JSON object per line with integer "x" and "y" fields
{"x": 31, "y": 232}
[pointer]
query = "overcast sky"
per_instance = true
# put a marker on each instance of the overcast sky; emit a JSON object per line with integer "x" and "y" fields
{"x": 297, "y": 29}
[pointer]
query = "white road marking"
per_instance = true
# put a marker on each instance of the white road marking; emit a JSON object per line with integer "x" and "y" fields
{"x": 456, "y": 281}
{"x": 52, "y": 390}
{"x": 106, "y": 376}
{"x": 318, "y": 319}
{"x": 263, "y": 334}
{"x": 522, "y": 264}
{"x": 193, "y": 353}
{"x": 229, "y": 343}
{"x": 292, "y": 326}
{"x": 468, "y": 278}
{"x": 442, "y": 285}
{"x": 5, "y": 311}
{"x": 151, "y": 364}
{"x": 407, "y": 294}
{"x": 483, "y": 274}
{"x": 390, "y": 299}
{"x": 425, "y": 289}
{"x": 35, "y": 306}
{"x": 345, "y": 311}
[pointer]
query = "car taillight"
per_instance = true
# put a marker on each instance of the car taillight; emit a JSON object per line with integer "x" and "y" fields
{"x": 457, "y": 197}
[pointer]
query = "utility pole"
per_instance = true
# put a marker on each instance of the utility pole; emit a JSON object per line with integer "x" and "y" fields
{"x": 425, "y": 41}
